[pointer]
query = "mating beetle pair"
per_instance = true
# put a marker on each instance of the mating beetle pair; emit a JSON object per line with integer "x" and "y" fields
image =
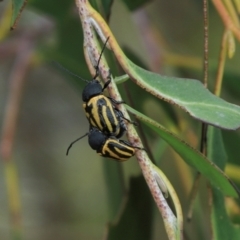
{"x": 107, "y": 123}
{"x": 108, "y": 146}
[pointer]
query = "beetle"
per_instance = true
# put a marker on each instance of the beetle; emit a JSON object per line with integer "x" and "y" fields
{"x": 101, "y": 111}
{"x": 106, "y": 117}
{"x": 108, "y": 146}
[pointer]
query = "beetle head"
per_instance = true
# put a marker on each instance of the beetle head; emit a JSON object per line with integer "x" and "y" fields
{"x": 96, "y": 139}
{"x": 93, "y": 88}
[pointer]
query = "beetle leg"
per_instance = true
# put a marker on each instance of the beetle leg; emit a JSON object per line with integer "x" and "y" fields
{"x": 115, "y": 101}
{"x": 106, "y": 84}
{"x": 130, "y": 145}
{"x": 132, "y": 122}
{"x": 120, "y": 114}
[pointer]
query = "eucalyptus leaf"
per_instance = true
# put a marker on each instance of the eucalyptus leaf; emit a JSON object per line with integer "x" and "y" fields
{"x": 188, "y": 94}
{"x": 135, "y": 4}
{"x": 222, "y": 227}
{"x": 191, "y": 156}
{"x": 221, "y": 224}
{"x": 115, "y": 186}
{"x": 135, "y": 220}
{"x": 107, "y": 5}
{"x": 17, "y": 6}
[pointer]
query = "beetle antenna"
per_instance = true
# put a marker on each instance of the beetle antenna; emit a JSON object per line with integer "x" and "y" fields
{"x": 68, "y": 71}
{"x": 75, "y": 142}
{"x": 97, "y": 70}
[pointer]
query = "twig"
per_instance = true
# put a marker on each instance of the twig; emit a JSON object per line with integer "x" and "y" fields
{"x": 91, "y": 19}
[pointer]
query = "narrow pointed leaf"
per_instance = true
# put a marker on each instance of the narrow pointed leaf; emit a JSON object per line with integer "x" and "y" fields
{"x": 222, "y": 227}
{"x": 188, "y": 94}
{"x": 135, "y": 221}
{"x": 221, "y": 224}
{"x": 115, "y": 186}
{"x": 18, "y": 6}
{"x": 191, "y": 156}
{"x": 135, "y": 4}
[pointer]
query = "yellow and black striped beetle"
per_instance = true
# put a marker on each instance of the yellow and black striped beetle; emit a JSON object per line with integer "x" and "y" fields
{"x": 108, "y": 146}
{"x": 99, "y": 109}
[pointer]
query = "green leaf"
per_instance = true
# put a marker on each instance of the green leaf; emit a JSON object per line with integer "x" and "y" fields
{"x": 135, "y": 4}
{"x": 107, "y": 5}
{"x": 222, "y": 227}
{"x": 59, "y": 11}
{"x": 190, "y": 95}
{"x": 113, "y": 174}
{"x": 17, "y": 6}
{"x": 216, "y": 149}
{"x": 135, "y": 221}
{"x": 231, "y": 144}
{"x": 191, "y": 156}
{"x": 94, "y": 4}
